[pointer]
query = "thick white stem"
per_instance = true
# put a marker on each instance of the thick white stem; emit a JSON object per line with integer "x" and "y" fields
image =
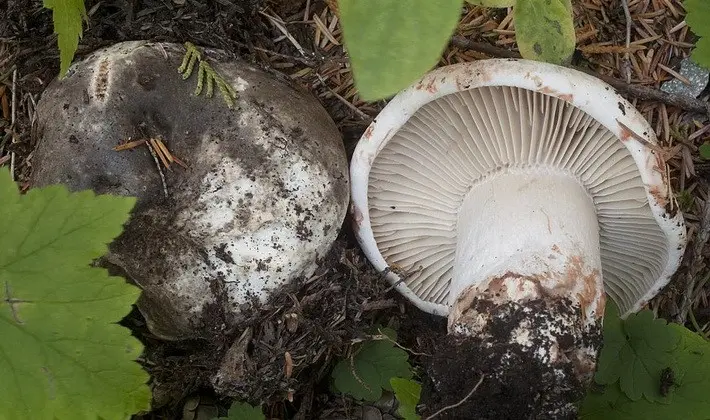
{"x": 527, "y": 234}
{"x": 527, "y": 277}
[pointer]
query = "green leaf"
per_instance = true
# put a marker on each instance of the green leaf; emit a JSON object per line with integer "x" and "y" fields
{"x": 492, "y": 3}
{"x": 609, "y": 365}
{"x": 369, "y": 370}
{"x": 635, "y": 353}
{"x": 544, "y": 30}
{"x": 704, "y": 150}
{"x": 62, "y": 353}
{"x": 68, "y": 16}
{"x": 391, "y": 43}
{"x": 407, "y": 393}
{"x": 687, "y": 399}
{"x": 697, "y": 15}
{"x": 243, "y": 411}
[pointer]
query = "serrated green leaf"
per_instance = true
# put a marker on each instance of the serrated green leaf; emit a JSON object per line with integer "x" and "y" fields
{"x": 701, "y": 53}
{"x": 391, "y": 43}
{"x": 704, "y": 151}
{"x": 407, "y": 393}
{"x": 609, "y": 364}
{"x": 697, "y": 15}
{"x": 687, "y": 399}
{"x": 492, "y": 3}
{"x": 62, "y": 353}
{"x": 68, "y": 16}
{"x": 243, "y": 411}
{"x": 369, "y": 370}
{"x": 544, "y": 30}
{"x": 635, "y": 352}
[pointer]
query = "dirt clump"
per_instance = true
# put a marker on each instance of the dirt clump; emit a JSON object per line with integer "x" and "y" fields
{"x": 307, "y": 325}
{"x": 517, "y": 381}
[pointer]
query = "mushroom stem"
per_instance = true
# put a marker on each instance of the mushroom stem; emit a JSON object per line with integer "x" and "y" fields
{"x": 527, "y": 271}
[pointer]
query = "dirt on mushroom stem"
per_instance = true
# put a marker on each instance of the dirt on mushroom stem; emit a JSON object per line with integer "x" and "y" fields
{"x": 533, "y": 333}
{"x": 535, "y": 360}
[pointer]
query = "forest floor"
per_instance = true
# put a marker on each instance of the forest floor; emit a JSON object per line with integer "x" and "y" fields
{"x": 346, "y": 298}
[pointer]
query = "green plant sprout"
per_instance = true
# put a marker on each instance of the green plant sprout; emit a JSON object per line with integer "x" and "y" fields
{"x": 685, "y": 200}
{"x": 407, "y": 392}
{"x": 205, "y": 74}
{"x": 243, "y": 411}
{"x": 368, "y": 370}
{"x": 704, "y": 151}
{"x": 68, "y": 17}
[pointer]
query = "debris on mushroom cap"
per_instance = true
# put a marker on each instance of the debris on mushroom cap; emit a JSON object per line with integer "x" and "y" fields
{"x": 232, "y": 202}
{"x": 504, "y": 187}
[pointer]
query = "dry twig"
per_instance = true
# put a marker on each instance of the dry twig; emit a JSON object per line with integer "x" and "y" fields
{"x": 345, "y": 102}
{"x": 627, "y": 62}
{"x": 383, "y": 336}
{"x": 449, "y": 407}
{"x": 160, "y": 171}
{"x": 302, "y": 60}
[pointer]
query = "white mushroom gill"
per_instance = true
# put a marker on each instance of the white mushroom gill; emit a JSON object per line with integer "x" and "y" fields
{"x": 507, "y": 195}
{"x": 494, "y": 177}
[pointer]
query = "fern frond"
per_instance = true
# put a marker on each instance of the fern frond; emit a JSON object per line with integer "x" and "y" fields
{"x": 205, "y": 73}
{"x": 200, "y": 78}
{"x": 192, "y": 56}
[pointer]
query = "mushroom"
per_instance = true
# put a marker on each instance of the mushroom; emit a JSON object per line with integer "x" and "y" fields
{"x": 509, "y": 196}
{"x": 260, "y": 199}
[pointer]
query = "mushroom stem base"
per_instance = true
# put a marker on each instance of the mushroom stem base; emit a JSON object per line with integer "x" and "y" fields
{"x": 536, "y": 357}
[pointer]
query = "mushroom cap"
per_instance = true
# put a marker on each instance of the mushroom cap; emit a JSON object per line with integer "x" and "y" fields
{"x": 263, "y": 198}
{"x": 462, "y": 124}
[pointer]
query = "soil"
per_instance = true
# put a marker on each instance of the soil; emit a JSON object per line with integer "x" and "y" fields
{"x": 317, "y": 319}
{"x": 513, "y": 380}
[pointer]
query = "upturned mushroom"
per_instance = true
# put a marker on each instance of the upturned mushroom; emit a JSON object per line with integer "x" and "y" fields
{"x": 238, "y": 194}
{"x": 509, "y": 196}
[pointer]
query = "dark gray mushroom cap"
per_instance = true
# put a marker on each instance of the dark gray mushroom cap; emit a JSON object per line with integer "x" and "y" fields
{"x": 264, "y": 194}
